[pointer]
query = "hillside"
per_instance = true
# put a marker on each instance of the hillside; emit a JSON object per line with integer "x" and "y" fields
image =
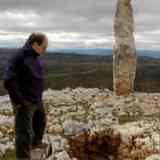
{"x": 75, "y": 70}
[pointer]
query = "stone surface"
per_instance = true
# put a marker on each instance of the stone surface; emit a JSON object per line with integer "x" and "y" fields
{"x": 91, "y": 116}
{"x": 124, "y": 53}
{"x": 154, "y": 157}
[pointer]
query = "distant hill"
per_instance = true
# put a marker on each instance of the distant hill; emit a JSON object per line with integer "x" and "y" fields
{"x": 73, "y": 69}
{"x": 89, "y": 51}
{"x": 104, "y": 52}
{"x": 149, "y": 53}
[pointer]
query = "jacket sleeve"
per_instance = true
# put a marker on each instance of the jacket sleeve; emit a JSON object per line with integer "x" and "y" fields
{"x": 11, "y": 84}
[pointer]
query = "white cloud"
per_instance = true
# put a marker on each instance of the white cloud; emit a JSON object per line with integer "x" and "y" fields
{"x": 84, "y": 23}
{"x": 81, "y": 39}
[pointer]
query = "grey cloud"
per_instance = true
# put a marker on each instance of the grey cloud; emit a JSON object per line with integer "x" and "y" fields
{"x": 86, "y": 17}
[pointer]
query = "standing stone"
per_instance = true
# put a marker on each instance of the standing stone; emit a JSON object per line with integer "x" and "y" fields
{"x": 124, "y": 53}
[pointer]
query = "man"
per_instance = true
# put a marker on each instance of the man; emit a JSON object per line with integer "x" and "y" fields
{"x": 23, "y": 78}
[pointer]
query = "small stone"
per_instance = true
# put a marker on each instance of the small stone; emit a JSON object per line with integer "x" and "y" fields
{"x": 153, "y": 157}
{"x": 62, "y": 156}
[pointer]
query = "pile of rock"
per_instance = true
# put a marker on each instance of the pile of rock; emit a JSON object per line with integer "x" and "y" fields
{"x": 96, "y": 123}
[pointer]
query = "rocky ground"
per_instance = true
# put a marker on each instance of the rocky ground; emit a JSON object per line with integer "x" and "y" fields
{"x": 94, "y": 124}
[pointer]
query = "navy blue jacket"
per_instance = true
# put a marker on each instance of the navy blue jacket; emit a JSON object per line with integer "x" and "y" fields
{"x": 23, "y": 76}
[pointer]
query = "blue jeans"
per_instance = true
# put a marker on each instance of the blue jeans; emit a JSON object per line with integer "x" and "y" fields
{"x": 30, "y": 124}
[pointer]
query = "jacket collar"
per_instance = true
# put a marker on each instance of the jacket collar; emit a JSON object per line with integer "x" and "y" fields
{"x": 28, "y": 50}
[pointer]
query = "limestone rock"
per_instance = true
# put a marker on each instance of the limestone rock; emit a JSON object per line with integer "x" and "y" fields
{"x": 95, "y": 112}
{"x": 62, "y": 156}
{"x": 153, "y": 157}
{"x": 124, "y": 54}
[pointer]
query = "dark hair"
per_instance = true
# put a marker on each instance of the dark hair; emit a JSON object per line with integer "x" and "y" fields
{"x": 36, "y": 37}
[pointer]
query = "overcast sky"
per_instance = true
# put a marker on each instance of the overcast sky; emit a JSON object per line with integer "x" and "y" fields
{"x": 75, "y": 23}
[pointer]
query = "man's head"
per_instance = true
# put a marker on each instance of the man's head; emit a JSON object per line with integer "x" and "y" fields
{"x": 39, "y": 42}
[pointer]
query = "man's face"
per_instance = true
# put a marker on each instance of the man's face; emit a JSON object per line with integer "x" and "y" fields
{"x": 40, "y": 49}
